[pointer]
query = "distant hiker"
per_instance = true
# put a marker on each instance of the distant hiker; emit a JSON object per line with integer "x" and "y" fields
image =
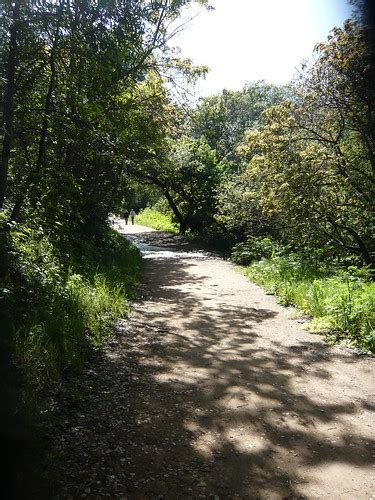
{"x": 126, "y": 216}
{"x": 132, "y": 215}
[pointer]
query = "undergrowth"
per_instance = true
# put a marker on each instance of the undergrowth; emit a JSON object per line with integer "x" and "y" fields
{"x": 342, "y": 305}
{"x": 340, "y": 301}
{"x": 157, "y": 220}
{"x": 64, "y": 301}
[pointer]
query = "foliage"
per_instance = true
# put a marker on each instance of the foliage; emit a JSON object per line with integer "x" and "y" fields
{"x": 222, "y": 119}
{"x": 186, "y": 172}
{"x": 310, "y": 166}
{"x": 84, "y": 79}
{"x": 196, "y": 179}
{"x": 192, "y": 152}
{"x": 342, "y": 304}
{"x": 62, "y": 304}
{"x": 152, "y": 218}
{"x": 254, "y": 248}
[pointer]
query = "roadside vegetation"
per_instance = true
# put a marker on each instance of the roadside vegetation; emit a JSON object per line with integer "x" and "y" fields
{"x": 63, "y": 305}
{"x": 150, "y": 217}
{"x": 339, "y": 302}
{"x": 342, "y": 305}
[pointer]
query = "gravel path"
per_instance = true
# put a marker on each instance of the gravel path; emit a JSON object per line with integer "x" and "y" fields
{"x": 211, "y": 391}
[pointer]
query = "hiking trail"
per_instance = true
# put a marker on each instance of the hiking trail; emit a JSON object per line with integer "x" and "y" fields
{"x": 210, "y": 390}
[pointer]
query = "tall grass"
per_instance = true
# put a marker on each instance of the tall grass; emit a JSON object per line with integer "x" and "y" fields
{"x": 157, "y": 220}
{"x": 342, "y": 305}
{"x": 65, "y": 303}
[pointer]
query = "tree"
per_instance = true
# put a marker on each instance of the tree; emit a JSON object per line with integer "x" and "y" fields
{"x": 75, "y": 62}
{"x": 185, "y": 170}
{"x": 222, "y": 119}
{"x": 313, "y": 160}
{"x": 194, "y": 183}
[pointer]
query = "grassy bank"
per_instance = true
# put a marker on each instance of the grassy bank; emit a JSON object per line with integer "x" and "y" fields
{"x": 157, "y": 220}
{"x": 64, "y": 301}
{"x": 59, "y": 297}
{"x": 342, "y": 305}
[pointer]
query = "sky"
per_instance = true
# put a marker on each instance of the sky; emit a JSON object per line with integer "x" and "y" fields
{"x": 247, "y": 40}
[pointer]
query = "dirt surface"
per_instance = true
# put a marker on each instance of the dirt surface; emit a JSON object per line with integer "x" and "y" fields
{"x": 210, "y": 390}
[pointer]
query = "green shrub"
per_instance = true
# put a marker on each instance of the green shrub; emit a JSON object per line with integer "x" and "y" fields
{"x": 254, "y": 248}
{"x": 342, "y": 305}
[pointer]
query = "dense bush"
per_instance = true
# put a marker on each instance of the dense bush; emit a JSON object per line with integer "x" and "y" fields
{"x": 254, "y": 248}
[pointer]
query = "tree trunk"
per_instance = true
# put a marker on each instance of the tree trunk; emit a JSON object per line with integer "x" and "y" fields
{"x": 8, "y": 102}
{"x": 47, "y": 107}
{"x": 365, "y": 253}
{"x": 181, "y": 220}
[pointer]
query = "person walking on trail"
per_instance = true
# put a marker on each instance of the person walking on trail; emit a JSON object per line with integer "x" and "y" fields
{"x": 132, "y": 215}
{"x": 126, "y": 216}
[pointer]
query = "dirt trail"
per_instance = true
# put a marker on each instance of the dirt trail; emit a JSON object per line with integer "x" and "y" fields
{"x": 211, "y": 391}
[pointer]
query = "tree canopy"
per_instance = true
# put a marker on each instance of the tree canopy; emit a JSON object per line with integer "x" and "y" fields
{"x": 73, "y": 100}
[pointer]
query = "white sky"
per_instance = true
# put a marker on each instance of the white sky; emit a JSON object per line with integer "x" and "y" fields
{"x": 246, "y": 40}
